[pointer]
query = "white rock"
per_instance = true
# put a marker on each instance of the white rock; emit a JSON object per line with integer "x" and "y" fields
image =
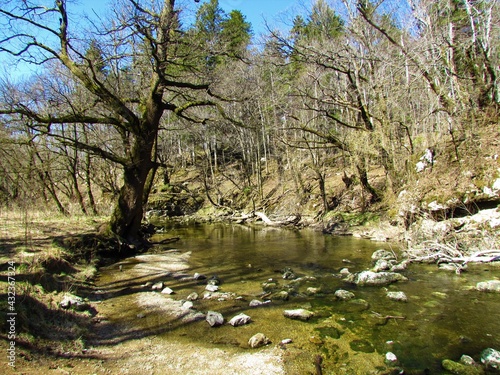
{"x": 212, "y": 288}
{"x": 157, "y": 286}
{"x": 301, "y": 314}
{"x": 397, "y": 296}
{"x": 239, "y": 320}
{"x": 496, "y": 185}
{"x": 214, "y": 318}
{"x": 491, "y": 358}
{"x": 344, "y": 295}
{"x": 488, "y": 286}
{"x": 391, "y": 357}
{"x": 167, "y": 290}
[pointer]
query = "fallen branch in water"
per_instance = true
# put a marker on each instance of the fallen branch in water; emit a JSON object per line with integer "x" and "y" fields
{"x": 166, "y": 241}
{"x": 387, "y": 316}
{"x": 432, "y": 251}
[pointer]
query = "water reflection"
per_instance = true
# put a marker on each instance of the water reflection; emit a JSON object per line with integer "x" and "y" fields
{"x": 444, "y": 317}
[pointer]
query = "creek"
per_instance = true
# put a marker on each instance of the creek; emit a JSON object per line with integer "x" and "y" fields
{"x": 444, "y": 316}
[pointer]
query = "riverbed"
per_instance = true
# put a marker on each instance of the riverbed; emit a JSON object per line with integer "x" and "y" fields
{"x": 444, "y": 316}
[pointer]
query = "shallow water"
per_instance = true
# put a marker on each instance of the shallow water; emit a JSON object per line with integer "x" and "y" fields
{"x": 443, "y": 318}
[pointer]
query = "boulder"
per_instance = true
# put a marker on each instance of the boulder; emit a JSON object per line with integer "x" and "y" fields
{"x": 239, "y": 320}
{"x": 491, "y": 358}
{"x": 371, "y": 278}
{"x": 214, "y": 318}
{"x": 300, "y": 314}
{"x": 488, "y": 286}
{"x": 258, "y": 340}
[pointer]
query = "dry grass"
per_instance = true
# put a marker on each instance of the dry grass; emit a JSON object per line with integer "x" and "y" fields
{"x": 45, "y": 269}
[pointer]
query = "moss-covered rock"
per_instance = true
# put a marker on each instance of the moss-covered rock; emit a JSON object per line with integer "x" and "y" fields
{"x": 461, "y": 369}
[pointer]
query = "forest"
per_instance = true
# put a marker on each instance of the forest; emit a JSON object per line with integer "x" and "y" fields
{"x": 369, "y": 129}
{"x": 342, "y": 106}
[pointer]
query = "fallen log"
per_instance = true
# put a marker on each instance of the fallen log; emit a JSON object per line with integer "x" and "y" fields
{"x": 292, "y": 220}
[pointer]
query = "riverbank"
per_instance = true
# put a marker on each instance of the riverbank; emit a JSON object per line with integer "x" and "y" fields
{"x": 93, "y": 339}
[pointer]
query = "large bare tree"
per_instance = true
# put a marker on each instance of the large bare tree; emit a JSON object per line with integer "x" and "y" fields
{"x": 131, "y": 68}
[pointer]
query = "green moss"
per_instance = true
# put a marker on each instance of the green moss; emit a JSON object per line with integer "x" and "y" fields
{"x": 460, "y": 369}
{"x": 359, "y": 218}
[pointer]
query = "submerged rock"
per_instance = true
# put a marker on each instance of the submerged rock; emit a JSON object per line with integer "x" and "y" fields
{"x": 397, "y": 296}
{"x": 220, "y": 296}
{"x": 370, "y": 278}
{"x": 391, "y": 359}
{"x": 214, "y": 318}
{"x": 281, "y": 296}
{"x": 400, "y": 266}
{"x": 383, "y": 254}
{"x": 383, "y": 265}
{"x": 467, "y": 360}
{"x": 461, "y": 369}
{"x": 311, "y": 291}
{"x": 489, "y": 286}
{"x": 258, "y": 340}
{"x": 288, "y": 273}
{"x": 239, "y": 320}
{"x": 192, "y": 297}
{"x": 256, "y": 302}
{"x": 300, "y": 314}
{"x": 491, "y": 358}
{"x": 344, "y": 295}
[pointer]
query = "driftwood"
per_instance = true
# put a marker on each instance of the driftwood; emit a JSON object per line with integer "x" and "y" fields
{"x": 291, "y": 220}
{"x": 431, "y": 251}
{"x": 378, "y": 315}
{"x": 166, "y": 241}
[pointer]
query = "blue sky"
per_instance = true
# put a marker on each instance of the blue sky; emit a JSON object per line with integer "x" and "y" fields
{"x": 277, "y": 13}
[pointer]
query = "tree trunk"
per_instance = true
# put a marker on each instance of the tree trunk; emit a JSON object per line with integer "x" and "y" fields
{"x": 127, "y": 215}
